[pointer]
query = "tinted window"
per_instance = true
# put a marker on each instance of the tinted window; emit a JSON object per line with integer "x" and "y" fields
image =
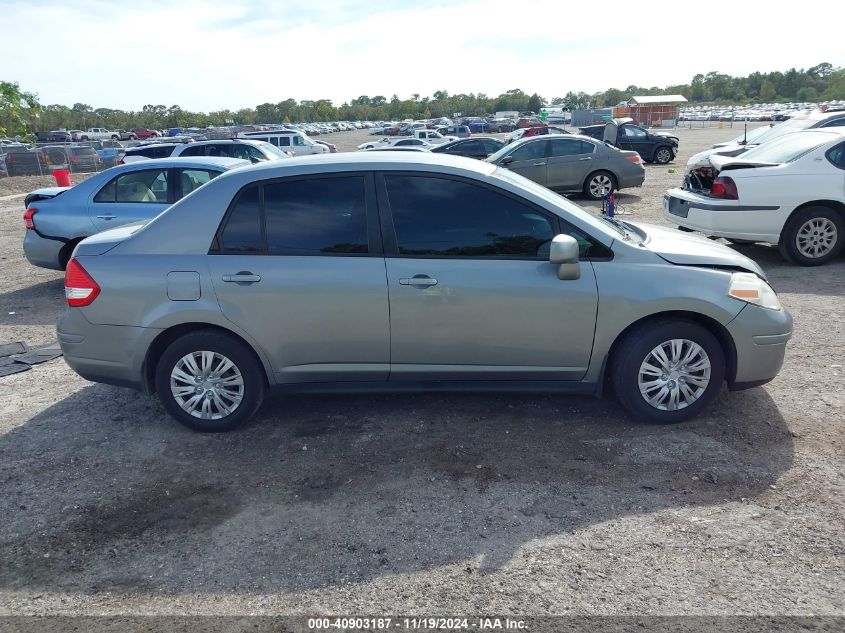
{"x": 633, "y": 132}
{"x": 565, "y": 147}
{"x": 837, "y": 156}
{"x": 326, "y": 215}
{"x": 491, "y": 145}
{"x": 469, "y": 147}
{"x": 243, "y": 226}
{"x": 149, "y": 185}
{"x": 196, "y": 150}
{"x": 298, "y": 141}
{"x": 835, "y": 123}
{"x": 284, "y": 141}
{"x": 436, "y": 216}
{"x": 529, "y": 151}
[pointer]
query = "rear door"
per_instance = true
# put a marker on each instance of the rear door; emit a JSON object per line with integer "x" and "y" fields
{"x": 635, "y": 139}
{"x": 136, "y": 195}
{"x": 529, "y": 160}
{"x": 297, "y": 264}
{"x": 569, "y": 162}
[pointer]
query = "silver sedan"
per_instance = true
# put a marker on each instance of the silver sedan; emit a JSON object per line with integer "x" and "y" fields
{"x": 403, "y": 271}
{"x": 572, "y": 163}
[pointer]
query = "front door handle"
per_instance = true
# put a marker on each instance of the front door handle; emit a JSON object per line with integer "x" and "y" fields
{"x": 587, "y": 158}
{"x": 418, "y": 281}
{"x": 539, "y": 164}
{"x": 242, "y": 277}
{"x": 107, "y": 216}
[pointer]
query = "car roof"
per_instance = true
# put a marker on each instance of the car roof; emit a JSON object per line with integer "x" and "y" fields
{"x": 189, "y": 161}
{"x": 367, "y": 160}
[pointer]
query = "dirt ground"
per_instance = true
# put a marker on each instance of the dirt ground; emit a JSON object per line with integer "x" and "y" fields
{"x": 426, "y": 504}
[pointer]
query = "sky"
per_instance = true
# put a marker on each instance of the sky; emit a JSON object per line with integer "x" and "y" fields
{"x": 206, "y": 55}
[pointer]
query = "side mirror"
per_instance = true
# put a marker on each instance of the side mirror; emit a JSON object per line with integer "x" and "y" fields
{"x": 507, "y": 160}
{"x": 564, "y": 252}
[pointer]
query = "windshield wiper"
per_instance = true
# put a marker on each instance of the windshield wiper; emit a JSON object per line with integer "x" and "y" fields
{"x": 619, "y": 226}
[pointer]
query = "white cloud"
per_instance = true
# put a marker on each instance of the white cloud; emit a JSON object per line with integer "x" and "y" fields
{"x": 207, "y": 55}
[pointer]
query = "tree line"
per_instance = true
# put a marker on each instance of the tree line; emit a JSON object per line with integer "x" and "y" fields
{"x": 21, "y": 113}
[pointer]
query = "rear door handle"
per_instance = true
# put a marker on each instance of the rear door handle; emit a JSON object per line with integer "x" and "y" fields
{"x": 108, "y": 216}
{"x": 539, "y": 164}
{"x": 418, "y": 281}
{"x": 587, "y": 158}
{"x": 242, "y": 277}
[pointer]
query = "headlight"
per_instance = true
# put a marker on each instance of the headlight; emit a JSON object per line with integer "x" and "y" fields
{"x": 750, "y": 288}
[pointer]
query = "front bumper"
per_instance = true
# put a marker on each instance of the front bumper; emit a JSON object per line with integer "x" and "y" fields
{"x": 723, "y": 218}
{"x": 760, "y": 336}
{"x": 111, "y": 354}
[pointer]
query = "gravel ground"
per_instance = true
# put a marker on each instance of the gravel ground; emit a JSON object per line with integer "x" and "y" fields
{"x": 426, "y": 504}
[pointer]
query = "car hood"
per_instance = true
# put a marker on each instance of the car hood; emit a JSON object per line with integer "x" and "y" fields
{"x": 665, "y": 135}
{"x": 689, "y": 249}
{"x": 702, "y": 159}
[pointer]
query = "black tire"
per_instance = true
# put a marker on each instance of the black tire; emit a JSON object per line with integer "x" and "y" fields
{"x": 132, "y": 137}
{"x": 796, "y": 229}
{"x": 663, "y": 155}
{"x": 83, "y": 138}
{"x": 592, "y": 187}
{"x": 244, "y": 361}
{"x": 635, "y": 348}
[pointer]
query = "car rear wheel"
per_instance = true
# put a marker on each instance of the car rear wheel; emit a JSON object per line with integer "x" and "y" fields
{"x": 668, "y": 371}
{"x": 663, "y": 155}
{"x": 813, "y": 236}
{"x": 599, "y": 184}
{"x": 209, "y": 381}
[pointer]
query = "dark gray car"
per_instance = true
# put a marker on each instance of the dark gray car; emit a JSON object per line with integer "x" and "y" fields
{"x": 406, "y": 271}
{"x": 572, "y": 163}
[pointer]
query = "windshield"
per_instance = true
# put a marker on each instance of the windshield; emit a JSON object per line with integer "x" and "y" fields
{"x": 558, "y": 201}
{"x": 789, "y": 147}
{"x": 272, "y": 149}
{"x": 776, "y": 131}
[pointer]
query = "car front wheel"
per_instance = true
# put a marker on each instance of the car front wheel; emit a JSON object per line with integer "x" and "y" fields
{"x": 813, "y": 236}
{"x": 668, "y": 371}
{"x": 210, "y": 381}
{"x": 663, "y": 155}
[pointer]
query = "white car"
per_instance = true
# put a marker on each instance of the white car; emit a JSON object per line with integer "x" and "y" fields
{"x": 294, "y": 141}
{"x": 789, "y": 192}
{"x": 395, "y": 142}
{"x": 251, "y": 150}
{"x": 433, "y": 137}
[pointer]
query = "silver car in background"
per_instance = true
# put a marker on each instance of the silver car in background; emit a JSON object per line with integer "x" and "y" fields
{"x": 409, "y": 271}
{"x": 58, "y": 218}
{"x": 572, "y": 162}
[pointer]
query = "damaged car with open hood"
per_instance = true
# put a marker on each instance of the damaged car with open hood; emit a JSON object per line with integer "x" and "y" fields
{"x": 789, "y": 192}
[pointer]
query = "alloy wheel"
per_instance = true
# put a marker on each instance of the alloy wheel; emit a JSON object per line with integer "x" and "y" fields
{"x": 600, "y": 185}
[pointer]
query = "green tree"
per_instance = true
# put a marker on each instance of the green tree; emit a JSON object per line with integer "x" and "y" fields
{"x": 535, "y": 103}
{"x": 18, "y": 109}
{"x": 767, "y": 90}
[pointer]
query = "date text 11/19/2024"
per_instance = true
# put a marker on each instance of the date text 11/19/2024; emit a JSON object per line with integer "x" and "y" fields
{"x": 415, "y": 624}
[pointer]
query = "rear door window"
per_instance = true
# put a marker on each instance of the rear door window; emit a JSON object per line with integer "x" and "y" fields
{"x": 242, "y": 230}
{"x": 315, "y": 216}
{"x": 148, "y": 185}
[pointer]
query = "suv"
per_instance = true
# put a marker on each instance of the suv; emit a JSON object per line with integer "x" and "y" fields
{"x": 254, "y": 151}
{"x": 653, "y": 147}
{"x": 461, "y": 131}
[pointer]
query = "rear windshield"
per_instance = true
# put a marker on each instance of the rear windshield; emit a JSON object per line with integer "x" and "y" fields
{"x": 788, "y": 148}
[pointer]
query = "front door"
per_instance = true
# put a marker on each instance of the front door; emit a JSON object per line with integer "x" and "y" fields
{"x": 472, "y": 294}
{"x": 310, "y": 288}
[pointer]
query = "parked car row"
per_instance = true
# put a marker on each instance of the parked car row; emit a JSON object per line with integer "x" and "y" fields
{"x": 25, "y": 160}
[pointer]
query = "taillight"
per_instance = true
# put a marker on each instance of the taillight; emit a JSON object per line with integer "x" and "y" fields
{"x": 27, "y": 217}
{"x": 724, "y": 187}
{"x": 634, "y": 159}
{"x": 80, "y": 287}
